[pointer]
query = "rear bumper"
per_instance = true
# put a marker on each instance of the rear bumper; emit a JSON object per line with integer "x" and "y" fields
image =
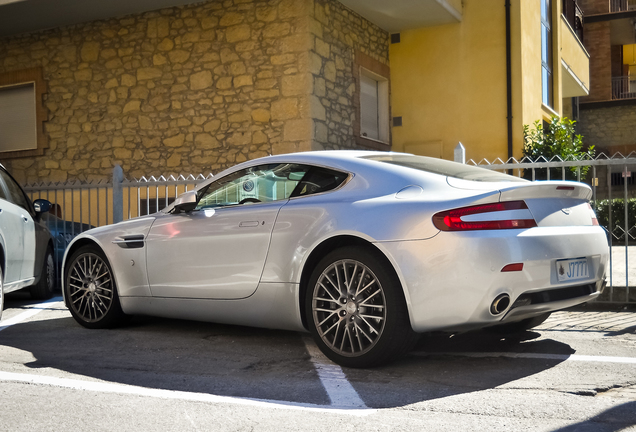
{"x": 451, "y": 280}
{"x": 535, "y": 303}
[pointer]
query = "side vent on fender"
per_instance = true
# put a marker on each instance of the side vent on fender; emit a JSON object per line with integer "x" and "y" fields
{"x": 130, "y": 241}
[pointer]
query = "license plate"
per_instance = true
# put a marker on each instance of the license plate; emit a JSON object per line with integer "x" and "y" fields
{"x": 572, "y": 269}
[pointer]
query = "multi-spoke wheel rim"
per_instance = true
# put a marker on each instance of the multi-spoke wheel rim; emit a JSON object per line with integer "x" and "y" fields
{"x": 90, "y": 286}
{"x": 349, "y": 308}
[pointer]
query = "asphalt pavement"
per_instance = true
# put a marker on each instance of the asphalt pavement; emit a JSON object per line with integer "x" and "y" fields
{"x": 576, "y": 372}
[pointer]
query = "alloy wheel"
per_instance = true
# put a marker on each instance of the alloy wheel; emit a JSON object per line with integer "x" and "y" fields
{"x": 90, "y": 287}
{"x": 349, "y": 308}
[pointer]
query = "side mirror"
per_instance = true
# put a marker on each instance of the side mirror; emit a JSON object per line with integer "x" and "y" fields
{"x": 42, "y": 205}
{"x": 186, "y": 202}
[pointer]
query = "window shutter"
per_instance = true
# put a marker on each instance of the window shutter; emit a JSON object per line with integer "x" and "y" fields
{"x": 369, "y": 107}
{"x": 17, "y": 118}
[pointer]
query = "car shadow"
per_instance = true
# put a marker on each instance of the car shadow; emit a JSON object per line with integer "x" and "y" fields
{"x": 265, "y": 364}
{"x": 614, "y": 419}
{"x": 442, "y": 366}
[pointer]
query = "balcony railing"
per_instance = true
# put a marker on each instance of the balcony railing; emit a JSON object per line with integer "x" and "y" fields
{"x": 622, "y": 5}
{"x": 574, "y": 16}
{"x": 624, "y": 87}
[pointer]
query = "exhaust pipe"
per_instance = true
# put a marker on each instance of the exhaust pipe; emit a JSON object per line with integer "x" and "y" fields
{"x": 500, "y": 304}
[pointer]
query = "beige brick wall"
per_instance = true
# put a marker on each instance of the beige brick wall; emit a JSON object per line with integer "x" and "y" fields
{"x": 337, "y": 34}
{"x": 185, "y": 89}
{"x": 597, "y": 43}
{"x": 594, "y": 7}
{"x": 610, "y": 129}
{"x": 195, "y": 88}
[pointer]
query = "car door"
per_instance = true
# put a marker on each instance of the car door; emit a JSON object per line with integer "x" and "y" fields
{"x": 218, "y": 250}
{"x": 18, "y": 230}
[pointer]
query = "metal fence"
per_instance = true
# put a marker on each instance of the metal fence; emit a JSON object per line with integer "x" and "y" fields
{"x": 79, "y": 206}
{"x": 574, "y": 16}
{"x": 622, "y": 5}
{"x": 623, "y": 87}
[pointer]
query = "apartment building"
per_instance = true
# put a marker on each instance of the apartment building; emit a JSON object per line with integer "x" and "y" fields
{"x": 608, "y": 114}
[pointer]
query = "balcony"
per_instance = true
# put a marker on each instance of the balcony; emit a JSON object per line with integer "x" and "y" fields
{"x": 575, "y": 61}
{"x": 574, "y": 16}
{"x": 623, "y": 87}
{"x": 622, "y": 5}
{"x": 397, "y": 15}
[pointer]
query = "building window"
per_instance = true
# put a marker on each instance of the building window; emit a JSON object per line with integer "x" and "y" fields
{"x": 546, "y": 52}
{"x": 22, "y": 114}
{"x": 372, "y": 125}
{"x": 17, "y": 118}
{"x": 374, "y": 106}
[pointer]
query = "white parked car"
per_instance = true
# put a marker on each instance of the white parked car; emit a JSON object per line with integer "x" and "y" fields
{"x": 26, "y": 248}
{"x": 363, "y": 249}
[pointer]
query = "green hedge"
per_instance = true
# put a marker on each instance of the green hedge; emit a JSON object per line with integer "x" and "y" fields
{"x": 618, "y": 212}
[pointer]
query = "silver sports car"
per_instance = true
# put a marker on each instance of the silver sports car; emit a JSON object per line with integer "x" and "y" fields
{"x": 363, "y": 249}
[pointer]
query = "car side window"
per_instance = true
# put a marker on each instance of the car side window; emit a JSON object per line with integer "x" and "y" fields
{"x": 15, "y": 192}
{"x": 262, "y": 183}
{"x": 319, "y": 180}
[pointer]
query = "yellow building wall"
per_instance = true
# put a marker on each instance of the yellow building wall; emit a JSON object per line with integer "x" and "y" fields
{"x": 448, "y": 83}
{"x": 528, "y": 96}
{"x": 629, "y": 54}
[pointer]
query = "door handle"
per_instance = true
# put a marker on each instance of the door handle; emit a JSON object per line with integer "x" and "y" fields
{"x": 249, "y": 224}
{"x": 25, "y": 218}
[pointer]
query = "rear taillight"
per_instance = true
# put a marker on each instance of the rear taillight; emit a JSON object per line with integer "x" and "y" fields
{"x": 467, "y": 218}
{"x": 594, "y": 219}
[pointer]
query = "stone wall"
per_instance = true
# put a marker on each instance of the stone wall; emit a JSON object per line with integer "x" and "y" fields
{"x": 194, "y": 89}
{"x": 609, "y": 129}
{"x": 186, "y": 89}
{"x": 338, "y": 34}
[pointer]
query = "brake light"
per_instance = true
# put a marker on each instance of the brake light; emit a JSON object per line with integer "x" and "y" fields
{"x": 594, "y": 219}
{"x": 459, "y": 220}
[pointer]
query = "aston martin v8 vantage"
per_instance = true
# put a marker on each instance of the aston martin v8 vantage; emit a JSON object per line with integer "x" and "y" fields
{"x": 363, "y": 249}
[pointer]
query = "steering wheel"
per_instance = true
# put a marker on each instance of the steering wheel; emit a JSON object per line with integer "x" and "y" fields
{"x": 249, "y": 200}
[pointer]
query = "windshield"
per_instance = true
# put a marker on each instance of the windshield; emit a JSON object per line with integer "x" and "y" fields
{"x": 445, "y": 168}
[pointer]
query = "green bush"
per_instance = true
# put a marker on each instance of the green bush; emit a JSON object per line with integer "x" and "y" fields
{"x": 558, "y": 140}
{"x": 618, "y": 213}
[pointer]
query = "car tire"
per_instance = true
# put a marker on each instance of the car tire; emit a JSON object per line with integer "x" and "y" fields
{"x": 46, "y": 285}
{"x": 90, "y": 289}
{"x": 1, "y": 292}
{"x": 355, "y": 309}
{"x": 519, "y": 326}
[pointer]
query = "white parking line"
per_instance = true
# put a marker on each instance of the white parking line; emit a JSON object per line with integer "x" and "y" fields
{"x": 333, "y": 379}
{"x": 105, "y": 387}
{"x": 28, "y": 313}
{"x": 562, "y": 357}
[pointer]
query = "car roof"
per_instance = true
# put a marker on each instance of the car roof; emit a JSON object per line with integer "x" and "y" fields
{"x": 345, "y": 160}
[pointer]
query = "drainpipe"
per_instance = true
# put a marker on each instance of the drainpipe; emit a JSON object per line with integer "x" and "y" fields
{"x": 508, "y": 79}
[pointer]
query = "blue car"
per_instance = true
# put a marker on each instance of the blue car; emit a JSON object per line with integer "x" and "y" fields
{"x": 62, "y": 232}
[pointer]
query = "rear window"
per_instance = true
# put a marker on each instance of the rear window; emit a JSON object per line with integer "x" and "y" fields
{"x": 319, "y": 180}
{"x": 445, "y": 168}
